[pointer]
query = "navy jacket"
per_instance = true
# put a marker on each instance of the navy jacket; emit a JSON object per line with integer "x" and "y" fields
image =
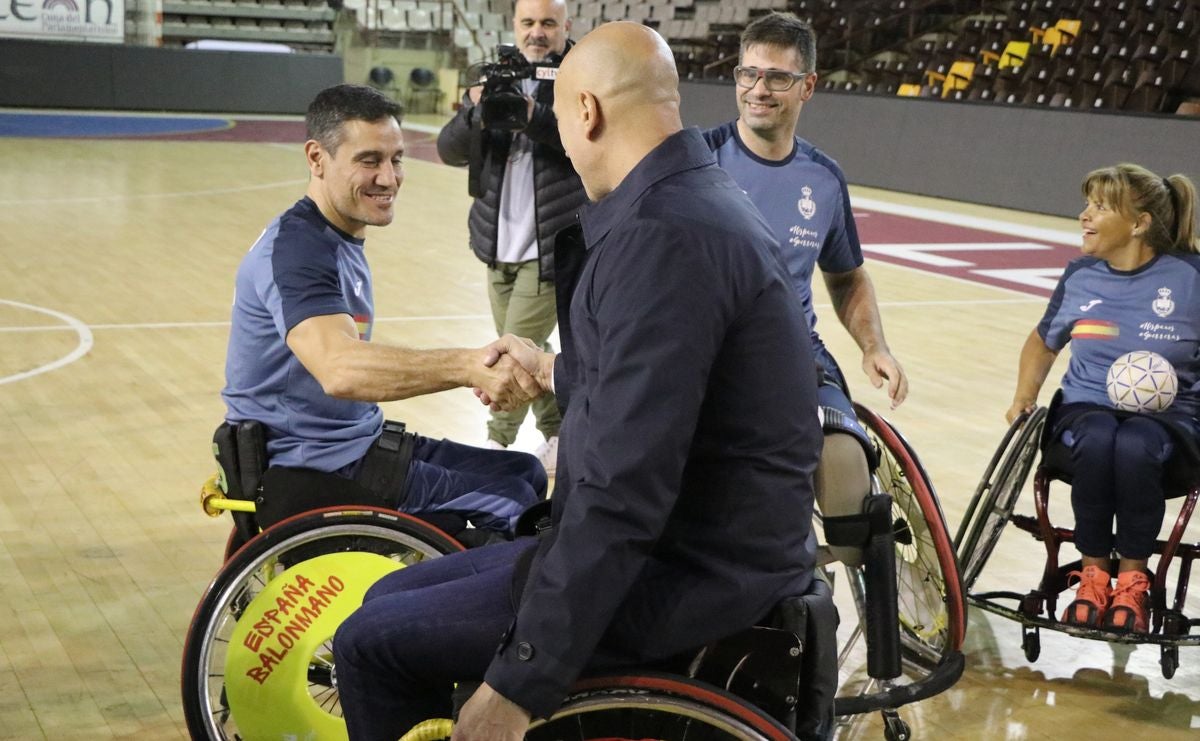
{"x": 683, "y": 502}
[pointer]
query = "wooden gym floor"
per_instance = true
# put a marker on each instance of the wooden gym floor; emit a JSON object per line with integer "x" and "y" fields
{"x": 116, "y": 267}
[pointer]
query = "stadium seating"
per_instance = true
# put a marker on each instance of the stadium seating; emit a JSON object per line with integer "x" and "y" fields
{"x": 1113, "y": 55}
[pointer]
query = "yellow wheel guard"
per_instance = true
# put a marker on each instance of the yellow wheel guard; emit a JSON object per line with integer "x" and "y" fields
{"x": 285, "y": 629}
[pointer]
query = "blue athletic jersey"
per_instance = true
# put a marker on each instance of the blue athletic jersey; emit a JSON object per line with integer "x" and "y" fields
{"x": 1104, "y": 313}
{"x": 300, "y": 267}
{"x": 804, "y": 199}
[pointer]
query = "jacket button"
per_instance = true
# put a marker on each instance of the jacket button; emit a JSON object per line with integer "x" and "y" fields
{"x": 524, "y": 651}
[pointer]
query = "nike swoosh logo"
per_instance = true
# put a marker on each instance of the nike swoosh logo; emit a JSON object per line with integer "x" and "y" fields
{"x": 1090, "y": 304}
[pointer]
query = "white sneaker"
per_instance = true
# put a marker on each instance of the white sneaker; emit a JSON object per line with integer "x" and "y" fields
{"x": 491, "y": 444}
{"x": 547, "y": 453}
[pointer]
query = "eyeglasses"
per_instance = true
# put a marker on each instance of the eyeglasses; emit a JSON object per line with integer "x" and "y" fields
{"x": 776, "y": 80}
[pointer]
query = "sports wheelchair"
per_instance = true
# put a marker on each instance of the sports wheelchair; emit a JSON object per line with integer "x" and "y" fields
{"x": 905, "y": 643}
{"x": 992, "y": 508}
{"x": 258, "y": 661}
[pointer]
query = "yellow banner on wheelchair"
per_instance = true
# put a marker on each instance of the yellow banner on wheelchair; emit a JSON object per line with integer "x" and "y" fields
{"x": 280, "y": 654}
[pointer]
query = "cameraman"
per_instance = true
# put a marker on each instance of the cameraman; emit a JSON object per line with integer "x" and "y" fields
{"x": 525, "y": 191}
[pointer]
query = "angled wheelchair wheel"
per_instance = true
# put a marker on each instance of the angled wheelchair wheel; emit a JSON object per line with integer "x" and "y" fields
{"x": 257, "y": 661}
{"x": 931, "y": 608}
{"x": 664, "y": 707}
{"x": 994, "y": 499}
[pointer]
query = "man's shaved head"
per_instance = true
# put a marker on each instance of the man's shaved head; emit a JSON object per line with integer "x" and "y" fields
{"x": 616, "y": 98}
{"x": 625, "y": 61}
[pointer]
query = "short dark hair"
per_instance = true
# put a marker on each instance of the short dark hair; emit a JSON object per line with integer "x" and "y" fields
{"x": 336, "y": 105}
{"x": 786, "y": 31}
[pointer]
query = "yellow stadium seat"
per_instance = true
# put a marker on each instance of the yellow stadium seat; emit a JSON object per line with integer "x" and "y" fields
{"x": 955, "y": 78}
{"x": 959, "y": 77}
{"x": 1014, "y": 54}
{"x": 1061, "y": 33}
{"x": 909, "y": 89}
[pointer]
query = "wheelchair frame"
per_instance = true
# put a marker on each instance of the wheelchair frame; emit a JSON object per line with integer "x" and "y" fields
{"x": 923, "y": 659}
{"x": 992, "y": 507}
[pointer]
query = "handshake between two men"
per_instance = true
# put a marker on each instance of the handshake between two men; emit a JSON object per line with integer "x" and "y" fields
{"x": 516, "y": 372}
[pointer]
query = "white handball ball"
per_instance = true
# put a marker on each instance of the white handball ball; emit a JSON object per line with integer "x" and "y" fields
{"x": 1141, "y": 381}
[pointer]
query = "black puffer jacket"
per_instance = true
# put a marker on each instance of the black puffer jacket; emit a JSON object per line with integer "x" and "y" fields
{"x": 558, "y": 193}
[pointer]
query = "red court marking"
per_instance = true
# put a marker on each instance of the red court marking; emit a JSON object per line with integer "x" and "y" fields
{"x": 882, "y": 228}
{"x": 244, "y": 131}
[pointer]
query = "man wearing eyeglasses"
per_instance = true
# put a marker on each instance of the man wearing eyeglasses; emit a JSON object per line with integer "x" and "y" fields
{"x": 802, "y": 194}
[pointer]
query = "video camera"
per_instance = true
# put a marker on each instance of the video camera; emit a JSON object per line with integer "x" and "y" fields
{"x": 502, "y": 105}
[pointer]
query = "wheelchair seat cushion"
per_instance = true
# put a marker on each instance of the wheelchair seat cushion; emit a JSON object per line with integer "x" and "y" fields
{"x": 290, "y": 491}
{"x": 1183, "y": 468}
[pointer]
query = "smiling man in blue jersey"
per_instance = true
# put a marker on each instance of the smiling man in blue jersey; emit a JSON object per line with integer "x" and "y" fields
{"x": 300, "y": 358}
{"x": 802, "y": 194}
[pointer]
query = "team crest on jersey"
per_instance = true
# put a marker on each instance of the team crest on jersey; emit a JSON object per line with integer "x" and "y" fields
{"x": 1163, "y": 305}
{"x": 808, "y": 207}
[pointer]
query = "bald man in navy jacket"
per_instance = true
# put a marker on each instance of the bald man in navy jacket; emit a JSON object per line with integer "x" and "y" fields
{"x": 683, "y": 506}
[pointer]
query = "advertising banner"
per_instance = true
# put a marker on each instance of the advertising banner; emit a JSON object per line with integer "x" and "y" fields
{"x": 74, "y": 20}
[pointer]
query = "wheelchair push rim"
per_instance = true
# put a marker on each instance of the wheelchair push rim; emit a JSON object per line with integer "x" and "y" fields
{"x": 256, "y": 663}
{"x": 663, "y": 707}
{"x": 984, "y": 482}
{"x": 996, "y": 497}
{"x": 933, "y": 609}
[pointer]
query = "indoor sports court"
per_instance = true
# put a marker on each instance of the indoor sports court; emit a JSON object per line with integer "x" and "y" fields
{"x": 122, "y": 231}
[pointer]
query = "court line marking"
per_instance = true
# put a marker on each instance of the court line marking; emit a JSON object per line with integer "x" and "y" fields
{"x": 1056, "y": 236}
{"x": 162, "y": 114}
{"x": 137, "y": 196}
{"x": 422, "y": 128}
{"x": 965, "y": 281}
{"x": 85, "y": 342}
{"x": 958, "y": 302}
{"x": 473, "y": 317}
{"x": 204, "y": 325}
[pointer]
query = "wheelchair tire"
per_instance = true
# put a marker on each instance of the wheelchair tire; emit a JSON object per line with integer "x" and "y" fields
{"x": 664, "y": 707}
{"x": 234, "y": 542}
{"x": 996, "y": 496}
{"x": 279, "y": 565}
{"x": 932, "y": 607}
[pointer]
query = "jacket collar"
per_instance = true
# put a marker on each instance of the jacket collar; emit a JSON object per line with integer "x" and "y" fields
{"x": 681, "y": 151}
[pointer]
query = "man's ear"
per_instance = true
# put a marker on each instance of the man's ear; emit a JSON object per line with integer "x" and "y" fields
{"x": 314, "y": 155}
{"x": 591, "y": 115}
{"x": 808, "y": 87}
